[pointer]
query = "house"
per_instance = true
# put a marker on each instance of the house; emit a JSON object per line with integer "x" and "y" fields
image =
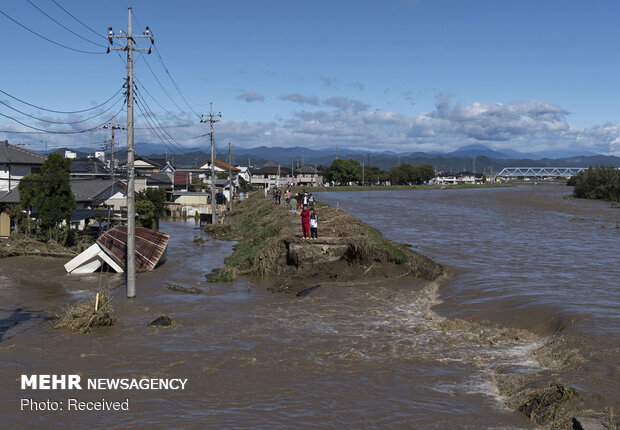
{"x": 220, "y": 166}
{"x": 145, "y": 165}
{"x": 15, "y": 163}
{"x": 307, "y": 176}
{"x": 88, "y": 168}
{"x": 271, "y": 175}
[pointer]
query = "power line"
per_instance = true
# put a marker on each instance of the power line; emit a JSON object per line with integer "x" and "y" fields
{"x": 47, "y": 38}
{"x": 59, "y": 132}
{"x": 60, "y": 111}
{"x": 161, "y": 60}
{"x": 164, "y": 90}
{"x": 69, "y": 13}
{"x": 164, "y": 132}
{"x": 63, "y": 26}
{"x": 61, "y": 122}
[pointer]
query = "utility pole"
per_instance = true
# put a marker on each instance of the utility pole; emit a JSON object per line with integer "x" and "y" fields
{"x": 230, "y": 185}
{"x": 112, "y": 127}
{"x": 362, "y": 173}
{"x": 212, "y": 120}
{"x": 131, "y": 192}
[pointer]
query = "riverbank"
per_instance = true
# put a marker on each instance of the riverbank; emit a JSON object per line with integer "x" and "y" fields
{"x": 18, "y": 244}
{"x": 271, "y": 247}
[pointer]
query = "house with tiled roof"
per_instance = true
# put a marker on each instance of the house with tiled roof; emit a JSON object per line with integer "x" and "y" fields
{"x": 15, "y": 163}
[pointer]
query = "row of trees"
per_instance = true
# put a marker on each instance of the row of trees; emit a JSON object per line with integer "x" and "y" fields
{"x": 345, "y": 171}
{"x": 597, "y": 183}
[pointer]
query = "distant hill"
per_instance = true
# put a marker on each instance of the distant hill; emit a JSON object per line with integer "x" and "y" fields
{"x": 467, "y": 158}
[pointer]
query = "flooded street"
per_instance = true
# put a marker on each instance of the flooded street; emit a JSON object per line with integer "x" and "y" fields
{"x": 530, "y": 267}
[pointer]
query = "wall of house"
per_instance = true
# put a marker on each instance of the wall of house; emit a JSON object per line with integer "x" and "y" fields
{"x": 191, "y": 199}
{"x": 15, "y": 173}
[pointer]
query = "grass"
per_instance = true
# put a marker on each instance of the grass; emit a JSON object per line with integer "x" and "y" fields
{"x": 263, "y": 229}
{"x": 260, "y": 249}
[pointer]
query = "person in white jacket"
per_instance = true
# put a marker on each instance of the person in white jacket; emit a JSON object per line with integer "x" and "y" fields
{"x": 314, "y": 225}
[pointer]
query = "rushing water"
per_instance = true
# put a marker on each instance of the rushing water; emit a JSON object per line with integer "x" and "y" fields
{"x": 527, "y": 265}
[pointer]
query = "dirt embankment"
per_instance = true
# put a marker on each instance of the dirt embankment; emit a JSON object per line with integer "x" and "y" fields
{"x": 271, "y": 246}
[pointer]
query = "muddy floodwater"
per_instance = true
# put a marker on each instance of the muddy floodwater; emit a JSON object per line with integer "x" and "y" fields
{"x": 532, "y": 271}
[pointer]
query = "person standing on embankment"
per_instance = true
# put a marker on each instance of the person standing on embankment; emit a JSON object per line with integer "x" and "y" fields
{"x": 305, "y": 222}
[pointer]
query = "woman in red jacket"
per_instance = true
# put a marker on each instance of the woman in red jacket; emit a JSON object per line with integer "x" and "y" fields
{"x": 305, "y": 222}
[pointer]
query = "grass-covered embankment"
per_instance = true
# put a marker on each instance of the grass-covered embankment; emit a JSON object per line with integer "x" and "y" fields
{"x": 268, "y": 234}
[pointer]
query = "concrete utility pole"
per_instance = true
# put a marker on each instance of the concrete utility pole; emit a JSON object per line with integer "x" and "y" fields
{"x": 230, "y": 185}
{"x": 362, "y": 174}
{"x": 212, "y": 120}
{"x": 112, "y": 127}
{"x": 131, "y": 192}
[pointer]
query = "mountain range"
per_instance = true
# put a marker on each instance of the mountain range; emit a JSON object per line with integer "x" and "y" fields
{"x": 477, "y": 158}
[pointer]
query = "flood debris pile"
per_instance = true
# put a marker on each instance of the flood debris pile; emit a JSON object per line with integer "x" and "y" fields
{"x": 87, "y": 316}
{"x": 270, "y": 246}
{"x": 182, "y": 289}
{"x": 543, "y": 405}
{"x": 19, "y": 244}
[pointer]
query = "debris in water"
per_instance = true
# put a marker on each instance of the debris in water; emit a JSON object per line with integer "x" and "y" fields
{"x": 162, "y": 321}
{"x": 305, "y": 292}
{"x": 85, "y": 317}
{"x": 543, "y": 404}
{"x": 182, "y": 289}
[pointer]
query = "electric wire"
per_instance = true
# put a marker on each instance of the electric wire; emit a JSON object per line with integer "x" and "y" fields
{"x": 164, "y": 89}
{"x": 138, "y": 94}
{"x": 63, "y": 26}
{"x": 59, "y": 132}
{"x": 62, "y": 122}
{"x": 48, "y": 39}
{"x": 60, "y": 111}
{"x": 161, "y": 60}
{"x": 69, "y": 13}
{"x": 153, "y": 121}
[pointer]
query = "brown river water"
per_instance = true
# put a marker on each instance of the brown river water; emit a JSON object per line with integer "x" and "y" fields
{"x": 534, "y": 293}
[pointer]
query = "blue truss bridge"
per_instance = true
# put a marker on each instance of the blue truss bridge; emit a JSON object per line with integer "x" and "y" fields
{"x": 540, "y": 172}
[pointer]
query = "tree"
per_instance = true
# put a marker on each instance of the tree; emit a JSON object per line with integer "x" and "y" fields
{"x": 156, "y": 196}
{"x": 146, "y": 213}
{"x": 402, "y": 175}
{"x": 424, "y": 173}
{"x": 345, "y": 171}
{"x": 50, "y": 191}
{"x": 373, "y": 174}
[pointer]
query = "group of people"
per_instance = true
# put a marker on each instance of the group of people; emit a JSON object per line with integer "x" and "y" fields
{"x": 305, "y": 202}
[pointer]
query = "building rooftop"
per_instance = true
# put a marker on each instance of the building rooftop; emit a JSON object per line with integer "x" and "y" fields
{"x": 11, "y": 154}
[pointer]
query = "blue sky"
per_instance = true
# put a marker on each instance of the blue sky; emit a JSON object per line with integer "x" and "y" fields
{"x": 400, "y": 75}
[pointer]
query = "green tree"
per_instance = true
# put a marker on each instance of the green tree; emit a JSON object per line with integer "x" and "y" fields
{"x": 50, "y": 191}
{"x": 146, "y": 213}
{"x": 402, "y": 175}
{"x": 157, "y": 196}
{"x": 345, "y": 171}
{"x": 373, "y": 174}
{"x": 424, "y": 173}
